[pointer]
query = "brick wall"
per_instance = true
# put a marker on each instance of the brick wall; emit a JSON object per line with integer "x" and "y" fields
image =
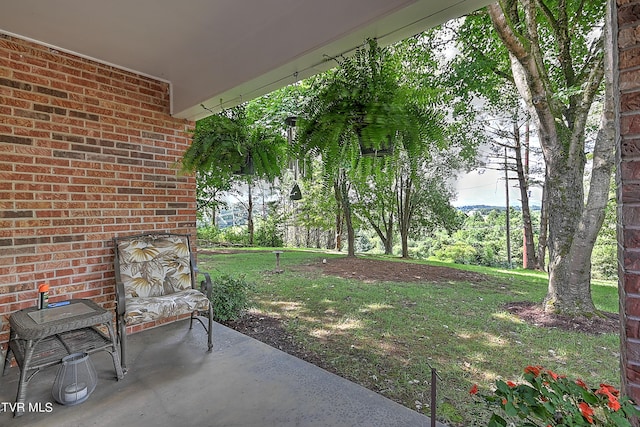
{"x": 628, "y": 184}
{"x": 87, "y": 151}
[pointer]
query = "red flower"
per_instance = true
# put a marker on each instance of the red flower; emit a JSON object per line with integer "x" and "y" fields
{"x": 511, "y": 384}
{"x": 610, "y": 389}
{"x": 504, "y": 401}
{"x": 587, "y": 412}
{"x": 535, "y": 370}
{"x": 474, "y": 389}
{"x": 611, "y": 393}
{"x": 582, "y": 384}
{"x": 552, "y": 375}
{"x": 613, "y": 404}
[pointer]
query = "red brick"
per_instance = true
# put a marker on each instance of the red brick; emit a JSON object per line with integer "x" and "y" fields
{"x": 83, "y": 130}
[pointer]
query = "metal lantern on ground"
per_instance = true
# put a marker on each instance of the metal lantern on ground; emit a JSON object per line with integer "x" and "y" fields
{"x": 76, "y": 379}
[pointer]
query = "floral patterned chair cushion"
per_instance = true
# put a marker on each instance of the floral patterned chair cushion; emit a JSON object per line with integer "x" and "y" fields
{"x": 144, "y": 309}
{"x": 155, "y": 265}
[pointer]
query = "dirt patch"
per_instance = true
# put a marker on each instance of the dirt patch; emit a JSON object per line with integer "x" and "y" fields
{"x": 532, "y": 313}
{"x": 370, "y": 270}
{"x": 273, "y": 331}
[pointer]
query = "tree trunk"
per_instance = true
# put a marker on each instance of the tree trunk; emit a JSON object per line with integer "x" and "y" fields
{"x": 351, "y": 235}
{"x": 592, "y": 216}
{"x": 544, "y": 229}
{"x": 404, "y": 212}
{"x": 250, "y": 212}
{"x": 338, "y": 234}
{"x": 561, "y": 130}
{"x": 386, "y": 235}
{"x": 388, "y": 242}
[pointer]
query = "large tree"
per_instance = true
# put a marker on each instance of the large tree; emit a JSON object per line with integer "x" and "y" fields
{"x": 556, "y": 53}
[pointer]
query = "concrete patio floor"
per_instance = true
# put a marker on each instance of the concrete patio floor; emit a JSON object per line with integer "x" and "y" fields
{"x": 173, "y": 381}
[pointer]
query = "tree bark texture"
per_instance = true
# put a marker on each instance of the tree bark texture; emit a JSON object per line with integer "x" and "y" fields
{"x": 405, "y": 185}
{"x": 573, "y": 223}
{"x": 346, "y": 208}
{"x": 250, "y": 211}
{"x": 338, "y": 196}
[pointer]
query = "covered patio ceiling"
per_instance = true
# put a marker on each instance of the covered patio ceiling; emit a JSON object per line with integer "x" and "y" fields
{"x": 217, "y": 53}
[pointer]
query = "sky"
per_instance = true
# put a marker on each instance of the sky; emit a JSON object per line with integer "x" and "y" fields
{"x": 487, "y": 188}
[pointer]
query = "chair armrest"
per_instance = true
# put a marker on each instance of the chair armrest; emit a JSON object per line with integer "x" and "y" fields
{"x": 206, "y": 287}
{"x": 121, "y": 305}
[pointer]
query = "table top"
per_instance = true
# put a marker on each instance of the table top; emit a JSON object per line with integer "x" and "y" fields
{"x": 79, "y": 313}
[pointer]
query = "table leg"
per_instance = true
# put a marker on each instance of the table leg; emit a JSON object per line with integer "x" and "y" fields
{"x": 7, "y": 355}
{"x": 24, "y": 379}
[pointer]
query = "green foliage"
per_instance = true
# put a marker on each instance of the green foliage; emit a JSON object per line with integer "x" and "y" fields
{"x": 546, "y": 398}
{"x": 604, "y": 261}
{"x": 269, "y": 231}
{"x": 230, "y": 297}
{"x": 211, "y": 234}
{"x": 229, "y": 143}
{"x": 458, "y": 252}
{"x": 235, "y": 236}
{"x": 361, "y": 105}
{"x": 481, "y": 240}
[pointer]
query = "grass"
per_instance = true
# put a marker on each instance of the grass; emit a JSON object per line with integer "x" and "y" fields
{"x": 387, "y": 336}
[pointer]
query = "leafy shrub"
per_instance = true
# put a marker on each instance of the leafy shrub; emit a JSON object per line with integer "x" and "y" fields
{"x": 269, "y": 233}
{"x": 235, "y": 236}
{"x": 548, "y": 399}
{"x": 230, "y": 297}
{"x": 209, "y": 234}
{"x": 459, "y": 252}
{"x": 604, "y": 262}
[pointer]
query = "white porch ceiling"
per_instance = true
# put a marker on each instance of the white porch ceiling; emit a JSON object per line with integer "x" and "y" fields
{"x": 220, "y": 52}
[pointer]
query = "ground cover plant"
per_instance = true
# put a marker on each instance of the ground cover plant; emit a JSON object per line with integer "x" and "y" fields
{"x": 383, "y": 323}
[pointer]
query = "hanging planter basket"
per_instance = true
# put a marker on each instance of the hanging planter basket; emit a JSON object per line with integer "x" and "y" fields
{"x": 385, "y": 149}
{"x": 248, "y": 168}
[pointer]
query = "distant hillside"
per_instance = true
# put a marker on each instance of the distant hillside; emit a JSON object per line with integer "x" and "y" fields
{"x": 487, "y": 208}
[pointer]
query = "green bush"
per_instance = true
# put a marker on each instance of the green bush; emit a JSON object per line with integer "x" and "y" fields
{"x": 604, "y": 262}
{"x": 235, "y": 236}
{"x": 269, "y": 234}
{"x": 230, "y": 297}
{"x": 459, "y": 252}
{"x": 210, "y": 234}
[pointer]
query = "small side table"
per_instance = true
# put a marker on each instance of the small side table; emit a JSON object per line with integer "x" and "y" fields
{"x": 41, "y": 338}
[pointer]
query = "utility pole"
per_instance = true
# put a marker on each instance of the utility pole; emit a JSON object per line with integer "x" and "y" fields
{"x": 506, "y": 183}
{"x": 525, "y": 254}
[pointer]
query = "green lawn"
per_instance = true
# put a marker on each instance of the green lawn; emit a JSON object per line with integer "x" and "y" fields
{"x": 386, "y": 336}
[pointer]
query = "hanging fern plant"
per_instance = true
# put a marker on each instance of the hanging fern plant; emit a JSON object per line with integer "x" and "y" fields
{"x": 362, "y": 109}
{"x": 227, "y": 143}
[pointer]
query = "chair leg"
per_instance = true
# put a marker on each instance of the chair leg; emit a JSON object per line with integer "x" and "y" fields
{"x": 122, "y": 332}
{"x": 210, "y": 329}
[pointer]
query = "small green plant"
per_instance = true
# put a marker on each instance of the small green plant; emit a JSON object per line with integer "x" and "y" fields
{"x": 549, "y": 399}
{"x": 230, "y": 297}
